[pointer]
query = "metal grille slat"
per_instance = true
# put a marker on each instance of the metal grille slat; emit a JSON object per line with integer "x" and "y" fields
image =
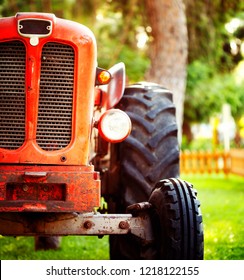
{"x": 12, "y": 94}
{"x": 54, "y": 126}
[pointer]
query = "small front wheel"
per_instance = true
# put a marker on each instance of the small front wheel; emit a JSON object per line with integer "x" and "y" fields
{"x": 177, "y": 221}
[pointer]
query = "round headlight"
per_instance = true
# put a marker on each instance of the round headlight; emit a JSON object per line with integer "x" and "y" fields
{"x": 114, "y": 125}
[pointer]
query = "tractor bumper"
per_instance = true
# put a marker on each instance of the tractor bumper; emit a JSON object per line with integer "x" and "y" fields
{"x": 61, "y": 224}
{"x": 49, "y": 188}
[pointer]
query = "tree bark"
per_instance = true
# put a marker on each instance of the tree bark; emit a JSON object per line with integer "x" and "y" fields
{"x": 169, "y": 49}
{"x": 47, "y": 6}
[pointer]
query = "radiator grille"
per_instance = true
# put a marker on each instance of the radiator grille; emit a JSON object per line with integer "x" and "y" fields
{"x": 12, "y": 94}
{"x": 54, "y": 126}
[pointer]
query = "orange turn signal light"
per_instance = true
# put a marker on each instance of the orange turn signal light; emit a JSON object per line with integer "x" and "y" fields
{"x": 103, "y": 76}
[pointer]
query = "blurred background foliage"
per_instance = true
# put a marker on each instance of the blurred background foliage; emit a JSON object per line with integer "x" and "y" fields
{"x": 215, "y": 55}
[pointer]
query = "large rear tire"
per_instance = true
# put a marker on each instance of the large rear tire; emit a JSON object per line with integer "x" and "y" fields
{"x": 148, "y": 155}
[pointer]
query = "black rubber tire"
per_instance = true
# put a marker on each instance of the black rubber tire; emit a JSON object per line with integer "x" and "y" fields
{"x": 149, "y": 154}
{"x": 177, "y": 221}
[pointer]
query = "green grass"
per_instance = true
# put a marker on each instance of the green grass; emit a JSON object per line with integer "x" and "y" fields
{"x": 222, "y": 206}
{"x": 72, "y": 248}
{"x": 223, "y": 215}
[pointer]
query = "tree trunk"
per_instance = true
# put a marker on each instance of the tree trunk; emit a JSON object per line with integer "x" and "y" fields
{"x": 47, "y": 6}
{"x": 169, "y": 49}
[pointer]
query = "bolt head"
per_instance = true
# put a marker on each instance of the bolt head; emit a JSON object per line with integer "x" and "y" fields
{"x": 124, "y": 225}
{"x": 87, "y": 224}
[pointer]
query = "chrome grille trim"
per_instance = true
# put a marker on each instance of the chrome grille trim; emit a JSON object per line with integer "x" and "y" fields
{"x": 12, "y": 94}
{"x": 54, "y": 126}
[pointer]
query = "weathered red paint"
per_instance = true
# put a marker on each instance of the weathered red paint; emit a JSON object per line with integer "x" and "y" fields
{"x": 49, "y": 188}
{"x": 83, "y": 42}
{"x": 35, "y": 180}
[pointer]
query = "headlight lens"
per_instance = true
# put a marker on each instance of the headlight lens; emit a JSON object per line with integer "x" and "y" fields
{"x": 114, "y": 126}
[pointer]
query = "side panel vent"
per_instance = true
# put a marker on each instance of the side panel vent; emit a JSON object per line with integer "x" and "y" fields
{"x": 12, "y": 94}
{"x": 54, "y": 126}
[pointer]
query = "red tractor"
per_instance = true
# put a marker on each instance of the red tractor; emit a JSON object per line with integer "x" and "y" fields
{"x": 72, "y": 133}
